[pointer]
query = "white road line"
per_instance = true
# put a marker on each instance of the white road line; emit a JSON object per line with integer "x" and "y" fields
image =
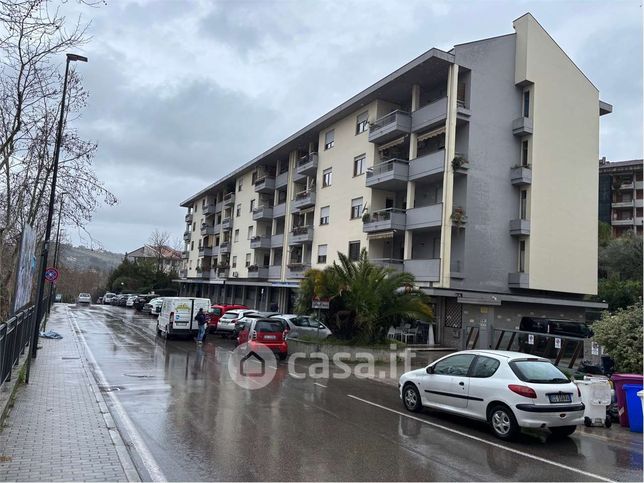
{"x": 318, "y": 384}
{"x": 146, "y": 456}
{"x": 476, "y": 438}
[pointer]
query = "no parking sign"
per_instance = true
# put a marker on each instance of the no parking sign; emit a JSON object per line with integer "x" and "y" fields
{"x": 51, "y": 274}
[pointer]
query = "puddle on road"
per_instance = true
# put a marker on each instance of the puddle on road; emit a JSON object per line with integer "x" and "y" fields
{"x": 110, "y": 388}
{"x": 69, "y": 358}
{"x": 139, "y": 376}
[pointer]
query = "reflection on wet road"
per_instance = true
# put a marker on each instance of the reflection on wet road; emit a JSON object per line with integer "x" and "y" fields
{"x": 199, "y": 425}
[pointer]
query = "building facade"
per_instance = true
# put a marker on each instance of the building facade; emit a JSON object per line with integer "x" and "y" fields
{"x": 621, "y": 195}
{"x": 168, "y": 258}
{"x": 455, "y": 168}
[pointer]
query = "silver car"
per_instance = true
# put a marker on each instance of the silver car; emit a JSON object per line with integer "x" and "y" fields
{"x": 303, "y": 325}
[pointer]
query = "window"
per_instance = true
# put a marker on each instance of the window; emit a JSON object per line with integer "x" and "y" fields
{"x": 248, "y": 260}
{"x": 523, "y": 205}
{"x": 455, "y": 365}
{"x": 324, "y": 215}
{"x": 526, "y": 103}
{"x": 327, "y": 177}
{"x": 252, "y": 205}
{"x": 524, "y": 153}
{"x": 238, "y": 210}
{"x": 358, "y": 165}
{"x": 236, "y": 238}
{"x": 234, "y": 264}
{"x": 362, "y": 122}
{"x": 538, "y": 372}
{"x": 522, "y": 256}
{"x": 356, "y": 208}
{"x": 239, "y": 186}
{"x": 322, "y": 253}
{"x": 250, "y": 232}
{"x": 354, "y": 250}
{"x": 329, "y": 139}
{"x": 194, "y": 226}
{"x": 192, "y": 245}
{"x": 281, "y": 197}
{"x": 484, "y": 367}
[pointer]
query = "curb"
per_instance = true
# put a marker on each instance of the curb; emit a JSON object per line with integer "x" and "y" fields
{"x": 10, "y": 389}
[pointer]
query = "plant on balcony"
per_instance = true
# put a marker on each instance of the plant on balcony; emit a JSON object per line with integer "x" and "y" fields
{"x": 302, "y": 194}
{"x": 223, "y": 266}
{"x": 458, "y": 217}
{"x": 255, "y": 239}
{"x": 295, "y": 265}
{"x": 300, "y": 230}
{"x": 253, "y": 268}
{"x": 366, "y": 218}
{"x": 459, "y": 162}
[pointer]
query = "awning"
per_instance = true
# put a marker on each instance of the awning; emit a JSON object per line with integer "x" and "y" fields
{"x": 431, "y": 134}
{"x": 391, "y": 144}
{"x": 387, "y": 235}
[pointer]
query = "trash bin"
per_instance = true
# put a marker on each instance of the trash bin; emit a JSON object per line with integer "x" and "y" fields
{"x": 634, "y": 405}
{"x": 596, "y": 395}
{"x": 619, "y": 380}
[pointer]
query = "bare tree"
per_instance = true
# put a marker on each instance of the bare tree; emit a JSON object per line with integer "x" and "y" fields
{"x": 33, "y": 39}
{"x": 159, "y": 242}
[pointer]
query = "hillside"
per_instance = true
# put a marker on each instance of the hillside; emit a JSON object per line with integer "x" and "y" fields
{"x": 82, "y": 258}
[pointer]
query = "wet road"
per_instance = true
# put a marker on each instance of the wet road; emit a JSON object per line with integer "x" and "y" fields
{"x": 187, "y": 420}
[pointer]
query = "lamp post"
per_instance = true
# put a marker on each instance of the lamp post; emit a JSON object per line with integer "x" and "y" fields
{"x": 57, "y": 250}
{"x": 50, "y": 214}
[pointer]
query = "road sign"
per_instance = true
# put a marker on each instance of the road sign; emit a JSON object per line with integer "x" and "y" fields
{"x": 318, "y": 303}
{"x": 51, "y": 274}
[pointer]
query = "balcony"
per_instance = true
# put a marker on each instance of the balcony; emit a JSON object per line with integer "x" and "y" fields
{"x": 186, "y": 235}
{"x": 428, "y": 165}
{"x": 626, "y": 186}
{"x": 265, "y": 184}
{"x": 389, "y": 127}
{"x": 522, "y": 126}
{"x": 275, "y": 271}
{"x": 226, "y": 224}
{"x": 185, "y": 254}
{"x": 390, "y": 263}
{"x": 219, "y": 206}
{"x": 301, "y": 235}
{"x": 208, "y": 251}
{"x": 384, "y": 220}
{"x": 281, "y": 180}
{"x": 279, "y": 210}
{"x": 258, "y": 242}
{"x": 183, "y": 273}
{"x": 207, "y": 230}
{"x": 209, "y": 209}
{"x": 223, "y": 273}
{"x": 623, "y": 222}
{"x": 390, "y": 175}
{"x": 456, "y": 270}
{"x": 520, "y": 176}
{"x": 430, "y": 115}
{"x": 229, "y": 199}
{"x": 255, "y": 272}
{"x": 460, "y": 164}
{"x": 425, "y": 217}
{"x": 623, "y": 204}
{"x": 424, "y": 270}
{"x": 224, "y": 248}
{"x": 518, "y": 280}
{"x": 296, "y": 270}
{"x": 304, "y": 199}
{"x": 519, "y": 227}
{"x": 277, "y": 240}
{"x": 188, "y": 218}
{"x": 263, "y": 213}
{"x": 307, "y": 165}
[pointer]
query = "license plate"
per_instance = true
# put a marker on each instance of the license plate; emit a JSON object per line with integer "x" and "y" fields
{"x": 269, "y": 337}
{"x": 560, "y": 397}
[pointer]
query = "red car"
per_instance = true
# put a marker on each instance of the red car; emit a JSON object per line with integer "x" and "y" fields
{"x": 269, "y": 332}
{"x": 215, "y": 313}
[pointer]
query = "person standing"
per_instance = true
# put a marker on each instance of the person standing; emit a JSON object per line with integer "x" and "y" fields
{"x": 201, "y": 320}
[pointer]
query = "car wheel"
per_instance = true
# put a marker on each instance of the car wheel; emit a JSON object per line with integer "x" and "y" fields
{"x": 503, "y": 423}
{"x": 563, "y": 431}
{"x": 158, "y": 329}
{"x": 608, "y": 423}
{"x": 283, "y": 356}
{"x": 411, "y": 398}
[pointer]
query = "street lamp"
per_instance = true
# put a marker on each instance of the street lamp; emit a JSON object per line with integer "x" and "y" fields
{"x": 50, "y": 213}
{"x": 57, "y": 250}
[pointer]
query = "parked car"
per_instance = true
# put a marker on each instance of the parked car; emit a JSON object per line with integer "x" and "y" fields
{"x": 120, "y": 300}
{"x": 509, "y": 390}
{"x": 153, "y": 307}
{"x": 569, "y": 328}
{"x": 248, "y": 318}
{"x": 303, "y": 325}
{"x": 177, "y": 315}
{"x": 129, "y": 302}
{"x": 266, "y": 331}
{"x": 226, "y": 324}
{"x": 216, "y": 311}
{"x": 108, "y": 297}
{"x": 141, "y": 300}
{"x": 84, "y": 298}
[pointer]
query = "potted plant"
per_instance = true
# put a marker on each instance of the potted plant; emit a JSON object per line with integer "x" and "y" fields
{"x": 458, "y": 217}
{"x": 253, "y": 268}
{"x": 366, "y": 218}
{"x": 459, "y": 162}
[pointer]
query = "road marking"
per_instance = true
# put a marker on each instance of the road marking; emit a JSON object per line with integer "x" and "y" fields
{"x": 476, "y": 438}
{"x": 318, "y": 384}
{"x": 146, "y": 456}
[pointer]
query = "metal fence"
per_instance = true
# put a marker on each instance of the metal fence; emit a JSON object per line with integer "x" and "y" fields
{"x": 15, "y": 336}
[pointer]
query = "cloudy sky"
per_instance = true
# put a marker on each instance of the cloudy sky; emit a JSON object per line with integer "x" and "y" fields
{"x": 184, "y": 91}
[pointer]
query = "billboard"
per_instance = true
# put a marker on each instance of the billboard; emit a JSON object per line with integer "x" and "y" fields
{"x": 26, "y": 268}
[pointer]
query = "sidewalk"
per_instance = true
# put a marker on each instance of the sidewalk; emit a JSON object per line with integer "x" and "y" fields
{"x": 60, "y": 428}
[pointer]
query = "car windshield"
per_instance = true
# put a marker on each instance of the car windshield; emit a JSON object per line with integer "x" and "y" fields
{"x": 539, "y": 372}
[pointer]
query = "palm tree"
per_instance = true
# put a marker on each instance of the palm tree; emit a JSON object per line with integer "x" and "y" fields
{"x": 366, "y": 298}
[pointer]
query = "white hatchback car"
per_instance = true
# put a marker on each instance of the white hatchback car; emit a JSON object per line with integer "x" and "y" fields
{"x": 226, "y": 324}
{"x": 509, "y": 390}
{"x": 84, "y": 298}
{"x": 303, "y": 325}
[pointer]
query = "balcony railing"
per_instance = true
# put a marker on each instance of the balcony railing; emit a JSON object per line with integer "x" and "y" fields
{"x": 226, "y": 224}
{"x": 185, "y": 254}
{"x": 258, "y": 242}
{"x": 296, "y": 269}
{"x": 257, "y": 272}
{"x": 389, "y": 175}
{"x": 391, "y": 263}
{"x": 224, "y": 247}
{"x": 281, "y": 180}
{"x": 425, "y": 217}
{"x": 188, "y": 218}
{"x": 207, "y": 229}
{"x": 263, "y": 213}
{"x": 391, "y": 126}
{"x": 304, "y": 199}
{"x": 522, "y": 126}
{"x": 384, "y": 220}
{"x": 265, "y": 184}
{"x": 209, "y": 209}
{"x": 427, "y": 165}
{"x": 519, "y": 227}
{"x": 623, "y": 204}
{"x": 229, "y": 199}
{"x": 186, "y": 235}
{"x": 275, "y": 271}
{"x": 521, "y": 175}
{"x": 277, "y": 240}
{"x": 518, "y": 280}
{"x": 424, "y": 270}
{"x": 300, "y": 235}
{"x": 430, "y": 115}
{"x": 307, "y": 165}
{"x": 279, "y": 210}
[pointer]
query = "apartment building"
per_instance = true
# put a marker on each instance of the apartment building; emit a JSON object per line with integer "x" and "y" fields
{"x": 456, "y": 167}
{"x": 620, "y": 195}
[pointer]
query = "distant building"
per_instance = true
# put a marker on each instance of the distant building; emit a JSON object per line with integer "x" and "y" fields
{"x": 620, "y": 195}
{"x": 171, "y": 258}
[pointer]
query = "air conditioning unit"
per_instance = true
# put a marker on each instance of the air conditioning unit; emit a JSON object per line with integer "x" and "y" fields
{"x": 235, "y": 274}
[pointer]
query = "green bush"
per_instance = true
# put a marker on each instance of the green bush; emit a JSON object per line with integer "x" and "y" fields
{"x": 618, "y": 294}
{"x": 621, "y": 336}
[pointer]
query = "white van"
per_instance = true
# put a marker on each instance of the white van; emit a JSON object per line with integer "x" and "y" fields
{"x": 177, "y": 315}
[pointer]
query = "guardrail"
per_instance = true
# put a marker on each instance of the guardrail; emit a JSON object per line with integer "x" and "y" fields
{"x": 15, "y": 336}
{"x": 561, "y": 349}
